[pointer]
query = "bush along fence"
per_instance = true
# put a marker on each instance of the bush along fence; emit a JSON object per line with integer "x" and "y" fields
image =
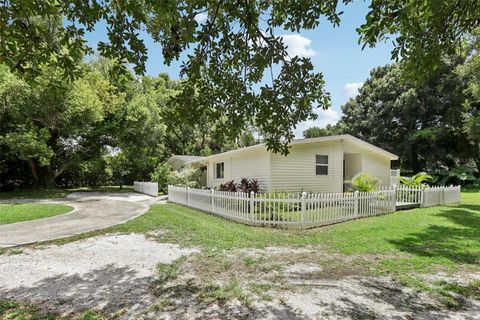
{"x": 307, "y": 210}
{"x": 150, "y": 188}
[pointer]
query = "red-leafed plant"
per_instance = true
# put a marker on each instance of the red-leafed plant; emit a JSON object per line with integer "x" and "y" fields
{"x": 229, "y": 186}
{"x": 254, "y": 186}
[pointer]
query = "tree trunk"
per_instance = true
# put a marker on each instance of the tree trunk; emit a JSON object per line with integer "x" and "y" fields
{"x": 34, "y": 171}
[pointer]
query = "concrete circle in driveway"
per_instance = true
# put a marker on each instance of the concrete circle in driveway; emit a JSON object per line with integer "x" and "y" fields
{"x": 92, "y": 211}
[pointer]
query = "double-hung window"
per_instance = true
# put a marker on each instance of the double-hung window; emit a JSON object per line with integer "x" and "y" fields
{"x": 321, "y": 165}
{"x": 219, "y": 170}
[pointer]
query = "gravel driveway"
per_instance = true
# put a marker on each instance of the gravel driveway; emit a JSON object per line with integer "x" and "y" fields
{"x": 107, "y": 273}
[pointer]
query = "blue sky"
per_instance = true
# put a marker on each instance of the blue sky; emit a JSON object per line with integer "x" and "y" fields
{"x": 334, "y": 51}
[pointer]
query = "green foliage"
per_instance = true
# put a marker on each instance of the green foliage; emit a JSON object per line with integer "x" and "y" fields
{"x": 422, "y": 31}
{"x": 417, "y": 180}
{"x": 118, "y": 168}
{"x": 422, "y": 123}
{"x": 162, "y": 175}
{"x": 186, "y": 177}
{"x": 329, "y": 130}
{"x": 364, "y": 182}
{"x": 460, "y": 175}
{"x": 230, "y": 53}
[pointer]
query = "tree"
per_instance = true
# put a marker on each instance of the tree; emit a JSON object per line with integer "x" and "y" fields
{"x": 118, "y": 168}
{"x": 422, "y": 123}
{"x": 423, "y": 32}
{"x": 232, "y": 51}
{"x": 329, "y": 130}
{"x": 55, "y": 124}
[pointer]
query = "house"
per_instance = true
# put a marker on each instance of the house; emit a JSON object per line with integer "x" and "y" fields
{"x": 323, "y": 164}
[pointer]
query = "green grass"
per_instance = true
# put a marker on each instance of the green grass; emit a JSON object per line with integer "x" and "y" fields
{"x": 34, "y": 194}
{"x": 16, "y": 212}
{"x": 418, "y": 238}
{"x": 59, "y": 193}
{"x": 18, "y": 311}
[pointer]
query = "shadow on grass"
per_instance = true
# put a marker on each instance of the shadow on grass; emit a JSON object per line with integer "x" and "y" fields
{"x": 459, "y": 243}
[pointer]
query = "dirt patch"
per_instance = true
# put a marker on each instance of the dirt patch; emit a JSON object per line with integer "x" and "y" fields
{"x": 134, "y": 277}
{"x": 108, "y": 273}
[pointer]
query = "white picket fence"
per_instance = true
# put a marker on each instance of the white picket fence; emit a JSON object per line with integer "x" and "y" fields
{"x": 435, "y": 196}
{"x": 150, "y": 188}
{"x": 428, "y": 196}
{"x": 286, "y": 209}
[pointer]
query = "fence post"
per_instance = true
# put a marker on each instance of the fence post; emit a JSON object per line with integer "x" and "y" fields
{"x": 212, "y": 200}
{"x": 188, "y": 196}
{"x": 355, "y": 204}
{"x": 422, "y": 196}
{"x": 252, "y": 206}
{"x": 443, "y": 196}
{"x": 304, "y": 194}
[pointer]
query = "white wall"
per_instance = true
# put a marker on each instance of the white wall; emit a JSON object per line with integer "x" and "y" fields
{"x": 353, "y": 165}
{"x": 296, "y": 172}
{"x": 250, "y": 164}
{"x": 377, "y": 166}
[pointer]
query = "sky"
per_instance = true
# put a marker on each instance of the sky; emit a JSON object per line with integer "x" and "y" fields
{"x": 334, "y": 52}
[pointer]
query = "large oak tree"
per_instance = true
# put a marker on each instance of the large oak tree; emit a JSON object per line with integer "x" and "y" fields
{"x": 230, "y": 54}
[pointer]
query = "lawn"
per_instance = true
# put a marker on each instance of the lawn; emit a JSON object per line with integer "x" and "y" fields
{"x": 59, "y": 193}
{"x": 16, "y": 212}
{"x": 408, "y": 246}
{"x": 410, "y": 240}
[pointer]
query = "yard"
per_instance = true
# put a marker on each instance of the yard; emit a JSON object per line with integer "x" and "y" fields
{"x": 17, "y": 212}
{"x": 414, "y": 263}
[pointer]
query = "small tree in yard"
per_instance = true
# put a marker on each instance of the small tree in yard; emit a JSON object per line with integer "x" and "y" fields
{"x": 118, "y": 168}
{"x": 364, "y": 182}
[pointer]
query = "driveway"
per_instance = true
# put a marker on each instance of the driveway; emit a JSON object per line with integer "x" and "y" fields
{"x": 91, "y": 211}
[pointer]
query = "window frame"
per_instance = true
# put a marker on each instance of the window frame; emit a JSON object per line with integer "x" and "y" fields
{"x": 321, "y": 164}
{"x": 215, "y": 173}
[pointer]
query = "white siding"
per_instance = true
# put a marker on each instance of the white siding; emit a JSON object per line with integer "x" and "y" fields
{"x": 377, "y": 166}
{"x": 251, "y": 164}
{"x": 353, "y": 165}
{"x": 296, "y": 172}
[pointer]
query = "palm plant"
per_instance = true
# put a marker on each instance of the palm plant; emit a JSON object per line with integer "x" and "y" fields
{"x": 417, "y": 180}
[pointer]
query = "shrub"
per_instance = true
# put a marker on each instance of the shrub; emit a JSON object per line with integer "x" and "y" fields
{"x": 463, "y": 175}
{"x": 364, "y": 182}
{"x": 248, "y": 185}
{"x": 229, "y": 186}
{"x": 164, "y": 175}
{"x": 161, "y": 175}
{"x": 185, "y": 178}
{"x": 417, "y": 180}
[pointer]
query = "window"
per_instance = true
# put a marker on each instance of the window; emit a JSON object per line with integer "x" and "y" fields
{"x": 219, "y": 170}
{"x": 321, "y": 165}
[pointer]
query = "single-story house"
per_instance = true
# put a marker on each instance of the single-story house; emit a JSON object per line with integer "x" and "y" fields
{"x": 323, "y": 164}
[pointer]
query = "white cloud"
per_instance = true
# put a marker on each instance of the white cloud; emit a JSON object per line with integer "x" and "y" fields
{"x": 201, "y": 17}
{"x": 325, "y": 117}
{"x": 298, "y": 45}
{"x": 351, "y": 89}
